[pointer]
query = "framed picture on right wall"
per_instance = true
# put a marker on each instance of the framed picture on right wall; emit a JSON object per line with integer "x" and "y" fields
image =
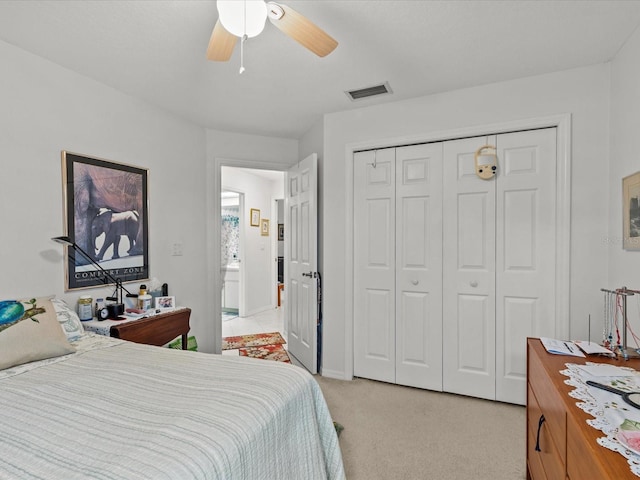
{"x": 264, "y": 227}
{"x": 631, "y": 212}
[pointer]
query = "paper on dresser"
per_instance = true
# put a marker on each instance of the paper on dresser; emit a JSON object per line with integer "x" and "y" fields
{"x": 591, "y": 348}
{"x": 561, "y": 347}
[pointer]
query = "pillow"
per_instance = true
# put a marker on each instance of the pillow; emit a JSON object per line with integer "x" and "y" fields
{"x": 68, "y": 319}
{"x": 30, "y": 331}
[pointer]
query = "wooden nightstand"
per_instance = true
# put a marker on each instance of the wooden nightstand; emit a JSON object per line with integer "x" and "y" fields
{"x": 158, "y": 329}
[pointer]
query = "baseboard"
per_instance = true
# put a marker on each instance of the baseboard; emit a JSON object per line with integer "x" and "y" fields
{"x": 336, "y": 374}
{"x": 258, "y": 310}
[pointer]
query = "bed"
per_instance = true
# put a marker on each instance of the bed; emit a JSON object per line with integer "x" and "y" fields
{"x": 112, "y": 409}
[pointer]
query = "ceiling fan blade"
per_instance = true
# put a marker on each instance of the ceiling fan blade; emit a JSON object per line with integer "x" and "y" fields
{"x": 301, "y": 29}
{"x": 221, "y": 44}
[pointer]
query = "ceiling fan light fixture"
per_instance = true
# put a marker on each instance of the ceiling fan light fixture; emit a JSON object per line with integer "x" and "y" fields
{"x": 242, "y": 17}
{"x": 246, "y": 18}
{"x": 276, "y": 12}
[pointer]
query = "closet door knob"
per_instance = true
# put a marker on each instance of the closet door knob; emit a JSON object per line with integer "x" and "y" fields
{"x": 473, "y": 283}
{"x": 415, "y": 282}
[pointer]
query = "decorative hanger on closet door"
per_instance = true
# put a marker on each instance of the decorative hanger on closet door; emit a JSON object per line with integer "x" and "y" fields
{"x": 486, "y": 160}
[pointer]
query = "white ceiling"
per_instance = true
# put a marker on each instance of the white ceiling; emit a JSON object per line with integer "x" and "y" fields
{"x": 155, "y": 50}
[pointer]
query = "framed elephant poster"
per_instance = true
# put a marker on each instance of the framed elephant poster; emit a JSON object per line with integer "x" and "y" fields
{"x": 631, "y": 212}
{"x": 107, "y": 216}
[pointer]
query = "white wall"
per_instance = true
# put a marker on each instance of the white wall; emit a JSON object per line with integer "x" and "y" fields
{"x": 46, "y": 109}
{"x": 624, "y": 266}
{"x": 255, "y": 151}
{"x": 583, "y": 93}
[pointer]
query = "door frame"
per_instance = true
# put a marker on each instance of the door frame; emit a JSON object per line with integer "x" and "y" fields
{"x": 213, "y": 233}
{"x": 274, "y": 248}
{"x": 241, "y": 292}
{"x": 561, "y": 122}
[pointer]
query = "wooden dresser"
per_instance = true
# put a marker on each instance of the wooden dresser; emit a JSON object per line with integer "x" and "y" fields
{"x": 567, "y": 445}
{"x": 157, "y": 329}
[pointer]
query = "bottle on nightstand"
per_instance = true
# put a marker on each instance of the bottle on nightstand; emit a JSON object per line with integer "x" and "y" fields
{"x": 144, "y": 299}
{"x": 85, "y": 312}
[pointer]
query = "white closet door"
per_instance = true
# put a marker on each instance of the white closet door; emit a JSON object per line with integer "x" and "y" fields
{"x": 374, "y": 265}
{"x": 468, "y": 273}
{"x": 526, "y": 253}
{"x": 419, "y": 266}
{"x": 452, "y": 275}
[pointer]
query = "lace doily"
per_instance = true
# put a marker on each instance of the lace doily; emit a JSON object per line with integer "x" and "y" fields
{"x": 609, "y": 410}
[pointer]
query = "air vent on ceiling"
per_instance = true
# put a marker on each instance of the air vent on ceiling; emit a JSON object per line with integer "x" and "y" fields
{"x": 381, "y": 89}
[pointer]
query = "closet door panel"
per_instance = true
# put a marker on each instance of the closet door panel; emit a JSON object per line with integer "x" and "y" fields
{"x": 519, "y": 227}
{"x": 526, "y": 260}
{"x": 378, "y": 309}
{"x": 474, "y": 239}
{"x": 474, "y": 323}
{"x": 468, "y": 273}
{"x": 419, "y": 266}
{"x": 374, "y": 265}
{"x": 520, "y": 316}
{"x": 413, "y": 238}
{"x": 414, "y": 307}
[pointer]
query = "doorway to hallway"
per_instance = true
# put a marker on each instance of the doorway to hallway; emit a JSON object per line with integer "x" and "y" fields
{"x": 252, "y": 218}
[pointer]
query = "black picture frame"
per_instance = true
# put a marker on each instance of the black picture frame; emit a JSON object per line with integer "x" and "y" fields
{"x": 107, "y": 216}
{"x": 631, "y": 212}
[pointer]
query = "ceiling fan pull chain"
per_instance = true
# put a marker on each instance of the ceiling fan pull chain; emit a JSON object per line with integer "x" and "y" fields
{"x": 244, "y": 37}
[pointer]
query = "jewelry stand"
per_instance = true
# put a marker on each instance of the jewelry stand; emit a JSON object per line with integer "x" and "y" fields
{"x": 624, "y": 350}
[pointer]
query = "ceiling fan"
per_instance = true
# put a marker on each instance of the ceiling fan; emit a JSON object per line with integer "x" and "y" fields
{"x": 246, "y": 18}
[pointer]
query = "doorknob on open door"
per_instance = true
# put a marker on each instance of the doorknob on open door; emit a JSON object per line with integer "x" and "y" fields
{"x": 310, "y": 274}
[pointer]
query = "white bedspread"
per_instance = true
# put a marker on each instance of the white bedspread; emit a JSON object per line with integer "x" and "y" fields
{"x": 130, "y": 411}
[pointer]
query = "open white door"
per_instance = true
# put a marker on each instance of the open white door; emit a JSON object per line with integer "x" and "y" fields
{"x": 301, "y": 261}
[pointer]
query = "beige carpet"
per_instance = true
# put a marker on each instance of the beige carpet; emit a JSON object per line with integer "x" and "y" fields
{"x": 393, "y": 432}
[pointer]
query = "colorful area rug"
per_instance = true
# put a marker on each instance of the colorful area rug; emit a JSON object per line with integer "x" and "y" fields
{"x": 266, "y": 352}
{"x": 255, "y": 340}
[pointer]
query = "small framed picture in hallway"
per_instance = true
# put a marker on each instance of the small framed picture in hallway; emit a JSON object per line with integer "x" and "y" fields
{"x": 255, "y": 217}
{"x": 264, "y": 227}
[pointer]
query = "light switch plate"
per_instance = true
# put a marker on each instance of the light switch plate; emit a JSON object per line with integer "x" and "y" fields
{"x": 176, "y": 249}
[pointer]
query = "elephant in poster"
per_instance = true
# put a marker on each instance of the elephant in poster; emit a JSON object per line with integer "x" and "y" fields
{"x": 114, "y": 225}
{"x": 96, "y": 188}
